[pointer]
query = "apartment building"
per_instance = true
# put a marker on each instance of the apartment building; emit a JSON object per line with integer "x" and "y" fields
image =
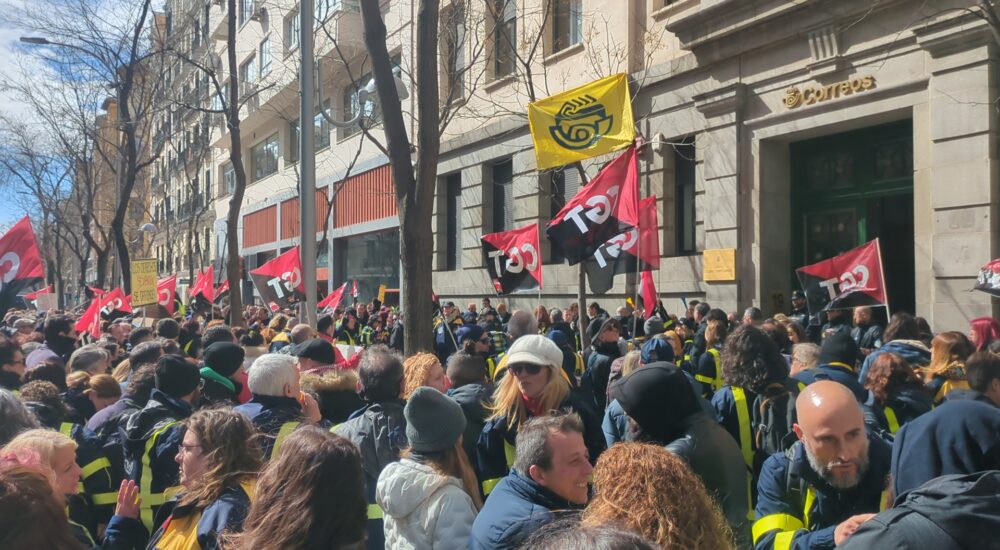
{"x": 780, "y": 132}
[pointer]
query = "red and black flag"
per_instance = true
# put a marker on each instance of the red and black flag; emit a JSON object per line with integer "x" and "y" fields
{"x": 279, "y": 282}
{"x": 989, "y": 278}
{"x": 513, "y": 260}
{"x": 110, "y": 305}
{"x": 333, "y": 299}
{"x": 21, "y": 264}
{"x": 849, "y": 280}
{"x": 203, "y": 291}
{"x": 115, "y": 304}
{"x": 605, "y": 208}
{"x": 32, "y": 296}
{"x": 222, "y": 291}
{"x": 166, "y": 292}
{"x": 620, "y": 254}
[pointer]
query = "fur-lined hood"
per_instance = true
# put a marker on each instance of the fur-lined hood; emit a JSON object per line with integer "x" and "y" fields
{"x": 331, "y": 380}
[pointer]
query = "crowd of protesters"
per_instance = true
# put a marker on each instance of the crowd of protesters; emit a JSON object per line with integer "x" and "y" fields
{"x": 542, "y": 429}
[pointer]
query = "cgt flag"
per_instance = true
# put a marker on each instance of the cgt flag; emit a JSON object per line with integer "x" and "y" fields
{"x": 620, "y": 254}
{"x": 854, "y": 278}
{"x": 20, "y": 263}
{"x": 109, "y": 305}
{"x": 605, "y": 208}
{"x": 279, "y": 282}
{"x": 333, "y": 299}
{"x": 588, "y": 121}
{"x": 513, "y": 260}
{"x": 989, "y": 278}
{"x": 166, "y": 292}
{"x": 204, "y": 285}
{"x": 31, "y": 296}
{"x": 222, "y": 291}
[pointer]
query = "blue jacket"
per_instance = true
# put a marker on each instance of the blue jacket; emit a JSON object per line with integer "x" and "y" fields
{"x": 958, "y": 437}
{"x": 837, "y": 373}
{"x": 225, "y": 514}
{"x": 904, "y": 404}
{"x": 615, "y": 424}
{"x": 916, "y": 353}
{"x": 268, "y": 414}
{"x": 782, "y": 521}
{"x": 517, "y": 508}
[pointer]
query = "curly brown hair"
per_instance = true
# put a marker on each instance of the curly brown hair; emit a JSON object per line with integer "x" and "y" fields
{"x": 647, "y": 489}
{"x": 416, "y": 370}
{"x": 751, "y": 360}
{"x": 888, "y": 373}
{"x": 229, "y": 442}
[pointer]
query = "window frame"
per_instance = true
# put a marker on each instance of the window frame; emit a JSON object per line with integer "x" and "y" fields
{"x": 270, "y": 143}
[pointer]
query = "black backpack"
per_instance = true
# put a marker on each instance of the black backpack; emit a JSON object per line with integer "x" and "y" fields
{"x": 773, "y": 416}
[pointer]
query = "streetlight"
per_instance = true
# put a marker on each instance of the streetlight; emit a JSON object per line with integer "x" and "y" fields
{"x": 35, "y": 40}
{"x": 307, "y": 152}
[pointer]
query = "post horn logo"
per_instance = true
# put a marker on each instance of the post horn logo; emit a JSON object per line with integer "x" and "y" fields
{"x": 580, "y": 123}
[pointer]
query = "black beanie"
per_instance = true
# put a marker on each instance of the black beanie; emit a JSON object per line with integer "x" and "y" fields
{"x": 659, "y": 398}
{"x": 176, "y": 376}
{"x": 224, "y": 358}
{"x": 839, "y": 348}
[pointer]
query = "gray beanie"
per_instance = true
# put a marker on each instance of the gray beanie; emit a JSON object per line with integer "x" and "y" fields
{"x": 434, "y": 421}
{"x": 653, "y": 326}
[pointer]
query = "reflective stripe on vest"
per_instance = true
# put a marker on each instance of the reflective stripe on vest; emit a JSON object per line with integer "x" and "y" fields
{"x": 808, "y": 506}
{"x": 890, "y": 417}
{"x": 579, "y": 364}
{"x": 491, "y": 366}
{"x": 66, "y": 429}
{"x": 717, "y": 382}
{"x": 149, "y": 498}
{"x": 286, "y": 428}
{"x": 743, "y": 417}
{"x": 509, "y": 453}
{"x": 785, "y": 523}
{"x": 375, "y": 512}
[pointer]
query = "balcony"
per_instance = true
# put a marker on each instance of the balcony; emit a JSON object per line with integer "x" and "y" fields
{"x": 219, "y": 21}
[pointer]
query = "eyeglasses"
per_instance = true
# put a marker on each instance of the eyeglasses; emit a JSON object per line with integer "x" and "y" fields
{"x": 485, "y": 340}
{"x": 189, "y": 448}
{"x": 529, "y": 368}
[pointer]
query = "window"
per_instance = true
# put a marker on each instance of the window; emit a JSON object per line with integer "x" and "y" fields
{"x": 684, "y": 171}
{"x": 248, "y": 76}
{"x": 321, "y": 127}
{"x": 208, "y": 187}
{"x": 265, "y": 56}
{"x": 453, "y": 222}
{"x": 454, "y": 47}
{"x": 204, "y": 20}
{"x": 292, "y": 31}
{"x": 504, "y": 37}
{"x": 565, "y": 183}
{"x": 503, "y": 195}
{"x": 264, "y": 157}
{"x": 208, "y": 244}
{"x": 293, "y": 141}
{"x": 246, "y": 11}
{"x": 229, "y": 178}
{"x": 567, "y": 24}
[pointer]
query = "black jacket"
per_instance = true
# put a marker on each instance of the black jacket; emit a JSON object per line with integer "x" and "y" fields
{"x": 958, "y": 437}
{"x": 473, "y": 398}
{"x": 268, "y": 414}
{"x": 10, "y": 380}
{"x": 598, "y": 371}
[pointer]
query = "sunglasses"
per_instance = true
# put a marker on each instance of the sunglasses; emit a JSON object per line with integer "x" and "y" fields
{"x": 485, "y": 340}
{"x": 529, "y": 368}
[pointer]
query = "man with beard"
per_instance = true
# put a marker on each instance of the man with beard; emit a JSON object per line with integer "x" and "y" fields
{"x": 831, "y": 481}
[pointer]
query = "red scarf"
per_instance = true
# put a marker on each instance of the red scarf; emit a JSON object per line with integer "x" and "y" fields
{"x": 534, "y": 406}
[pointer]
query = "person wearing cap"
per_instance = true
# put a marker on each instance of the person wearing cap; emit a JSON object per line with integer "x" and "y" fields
{"x": 317, "y": 355}
{"x": 662, "y": 408}
{"x": 24, "y": 326}
{"x": 430, "y": 497}
{"x": 800, "y": 310}
{"x": 838, "y": 361}
{"x": 278, "y": 405}
{"x": 473, "y": 340}
{"x": 154, "y": 434}
{"x": 445, "y": 328}
{"x": 222, "y": 373}
{"x": 605, "y": 347}
{"x": 537, "y": 387}
{"x": 347, "y": 332}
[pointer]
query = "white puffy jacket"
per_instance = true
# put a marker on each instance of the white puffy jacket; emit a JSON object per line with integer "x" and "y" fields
{"x": 423, "y": 509}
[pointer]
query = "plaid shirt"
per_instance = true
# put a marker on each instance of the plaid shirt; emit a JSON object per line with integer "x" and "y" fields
{"x": 499, "y": 341}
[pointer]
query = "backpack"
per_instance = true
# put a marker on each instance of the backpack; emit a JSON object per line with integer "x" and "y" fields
{"x": 773, "y": 416}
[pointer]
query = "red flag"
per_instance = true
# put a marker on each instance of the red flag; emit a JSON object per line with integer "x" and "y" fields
{"x": 333, "y": 299}
{"x": 647, "y": 291}
{"x": 354, "y": 289}
{"x": 20, "y": 262}
{"x": 649, "y": 234}
{"x": 513, "y": 260}
{"x": 279, "y": 282}
{"x": 849, "y": 280}
{"x": 34, "y": 295}
{"x": 166, "y": 292}
{"x": 222, "y": 291}
{"x": 90, "y": 321}
{"x": 204, "y": 285}
{"x": 619, "y": 254}
{"x": 606, "y": 207}
{"x": 116, "y": 300}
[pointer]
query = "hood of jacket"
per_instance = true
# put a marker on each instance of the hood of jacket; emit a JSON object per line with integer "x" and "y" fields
{"x": 916, "y": 399}
{"x": 407, "y": 485}
{"x": 472, "y": 398}
{"x": 914, "y": 351}
{"x": 379, "y": 431}
{"x": 160, "y": 407}
{"x": 47, "y": 415}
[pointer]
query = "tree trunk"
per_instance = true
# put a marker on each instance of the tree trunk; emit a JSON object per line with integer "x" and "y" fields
{"x": 414, "y": 192}
{"x": 102, "y": 266}
{"x": 236, "y": 158}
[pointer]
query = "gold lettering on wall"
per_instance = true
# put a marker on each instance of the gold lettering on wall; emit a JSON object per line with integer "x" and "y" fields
{"x": 794, "y": 97}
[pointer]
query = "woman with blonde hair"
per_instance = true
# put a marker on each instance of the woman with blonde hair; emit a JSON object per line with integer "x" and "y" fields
{"x": 677, "y": 514}
{"x": 535, "y": 386}
{"x": 946, "y": 371}
{"x": 423, "y": 369}
{"x": 219, "y": 460}
{"x": 430, "y": 497}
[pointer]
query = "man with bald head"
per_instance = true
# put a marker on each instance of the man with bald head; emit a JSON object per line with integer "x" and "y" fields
{"x": 831, "y": 481}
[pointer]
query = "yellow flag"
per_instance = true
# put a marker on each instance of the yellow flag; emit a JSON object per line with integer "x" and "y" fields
{"x": 581, "y": 123}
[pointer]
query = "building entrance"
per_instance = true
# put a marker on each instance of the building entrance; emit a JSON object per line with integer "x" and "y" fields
{"x": 850, "y": 188}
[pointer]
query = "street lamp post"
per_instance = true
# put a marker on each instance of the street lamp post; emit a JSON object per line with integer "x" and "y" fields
{"x": 307, "y": 164}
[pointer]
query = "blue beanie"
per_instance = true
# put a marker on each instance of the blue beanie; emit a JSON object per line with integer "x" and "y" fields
{"x": 469, "y": 332}
{"x": 657, "y": 349}
{"x": 559, "y": 337}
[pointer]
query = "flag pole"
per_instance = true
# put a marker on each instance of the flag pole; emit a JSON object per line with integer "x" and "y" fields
{"x": 638, "y": 276}
{"x": 881, "y": 272}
